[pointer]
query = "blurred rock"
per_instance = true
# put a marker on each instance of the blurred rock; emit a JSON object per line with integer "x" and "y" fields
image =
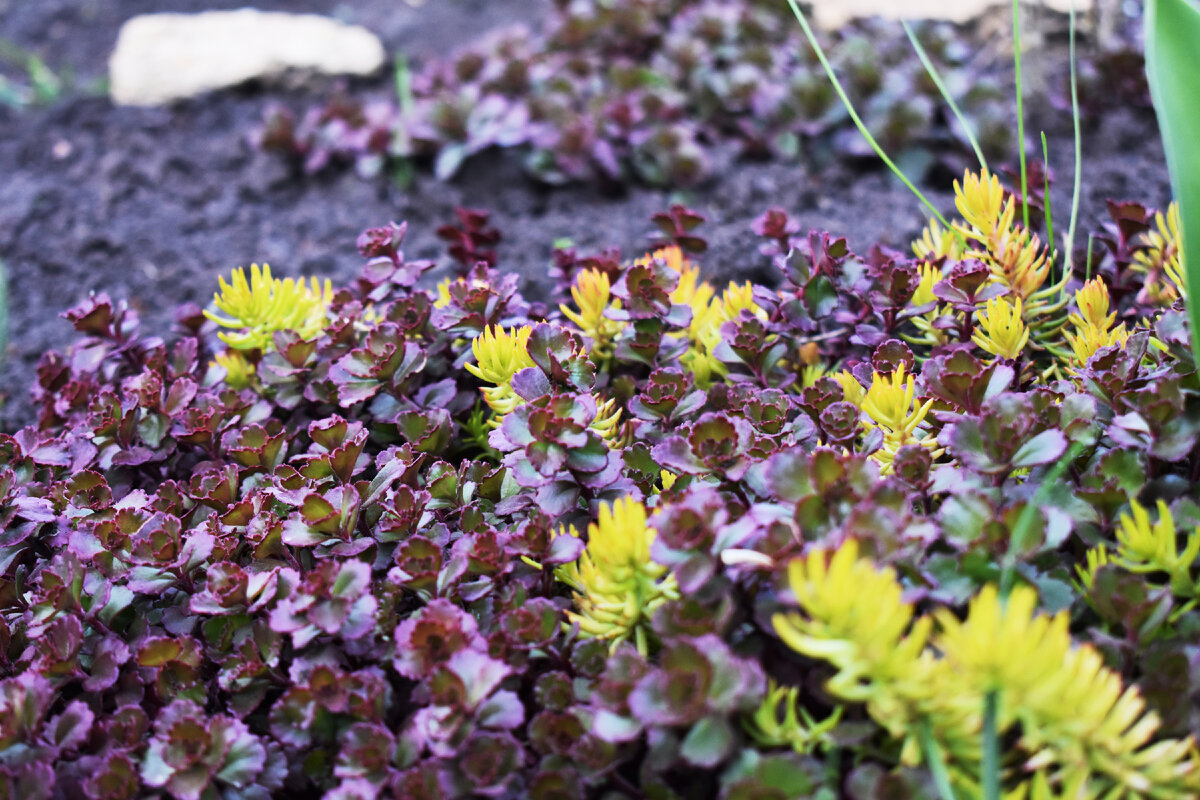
{"x": 164, "y": 57}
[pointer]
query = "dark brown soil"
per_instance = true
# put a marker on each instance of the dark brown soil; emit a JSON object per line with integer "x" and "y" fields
{"x": 152, "y": 205}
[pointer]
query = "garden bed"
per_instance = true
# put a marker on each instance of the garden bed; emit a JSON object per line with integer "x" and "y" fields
{"x": 761, "y": 485}
{"x": 151, "y": 204}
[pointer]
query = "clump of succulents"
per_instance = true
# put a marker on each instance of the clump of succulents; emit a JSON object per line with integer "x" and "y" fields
{"x": 669, "y": 539}
{"x": 654, "y": 91}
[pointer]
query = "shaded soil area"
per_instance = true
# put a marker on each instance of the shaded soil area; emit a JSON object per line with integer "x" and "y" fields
{"x": 151, "y": 205}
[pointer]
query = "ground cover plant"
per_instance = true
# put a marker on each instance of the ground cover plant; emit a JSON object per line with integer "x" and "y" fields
{"x": 656, "y": 538}
{"x": 667, "y": 539}
{"x": 662, "y": 92}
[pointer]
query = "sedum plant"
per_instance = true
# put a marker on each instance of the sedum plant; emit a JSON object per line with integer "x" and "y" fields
{"x": 646, "y": 91}
{"x": 617, "y": 585}
{"x": 662, "y": 541}
{"x": 1078, "y": 730}
{"x": 255, "y": 310}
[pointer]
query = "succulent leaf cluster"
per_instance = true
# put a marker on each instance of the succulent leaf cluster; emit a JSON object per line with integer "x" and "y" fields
{"x": 654, "y": 91}
{"x": 660, "y": 541}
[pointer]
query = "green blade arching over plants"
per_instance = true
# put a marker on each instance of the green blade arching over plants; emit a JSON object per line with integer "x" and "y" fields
{"x": 936, "y": 77}
{"x": 1016, "y": 31}
{"x": 858, "y": 123}
{"x": 1173, "y": 69}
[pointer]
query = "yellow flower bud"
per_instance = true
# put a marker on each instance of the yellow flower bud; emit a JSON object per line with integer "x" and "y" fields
{"x": 1000, "y": 329}
{"x": 263, "y": 305}
{"x": 500, "y": 355}
{"x": 617, "y": 585}
{"x": 593, "y": 296}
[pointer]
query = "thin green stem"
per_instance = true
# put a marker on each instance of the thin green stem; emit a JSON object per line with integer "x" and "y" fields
{"x": 1046, "y": 194}
{"x": 1078, "y": 149}
{"x": 1087, "y": 273}
{"x": 1025, "y": 520}
{"x": 404, "y": 93}
{"x": 934, "y": 76}
{"x": 937, "y": 764}
{"x": 991, "y": 747}
{"x": 1016, "y": 25}
{"x": 858, "y": 123}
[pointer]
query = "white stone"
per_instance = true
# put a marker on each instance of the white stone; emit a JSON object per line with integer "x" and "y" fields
{"x": 164, "y": 57}
{"x": 833, "y": 14}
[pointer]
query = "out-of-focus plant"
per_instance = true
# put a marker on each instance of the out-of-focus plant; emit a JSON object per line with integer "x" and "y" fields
{"x": 3, "y": 310}
{"x": 41, "y": 84}
{"x": 1076, "y": 727}
{"x": 1173, "y": 69}
{"x": 642, "y": 91}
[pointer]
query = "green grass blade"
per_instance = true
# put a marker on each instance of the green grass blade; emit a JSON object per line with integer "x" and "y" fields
{"x": 404, "y": 93}
{"x": 1173, "y": 69}
{"x": 858, "y": 123}
{"x": 945, "y": 92}
{"x": 1016, "y": 27}
{"x": 1075, "y": 192}
{"x": 1087, "y": 272}
{"x": 1046, "y": 193}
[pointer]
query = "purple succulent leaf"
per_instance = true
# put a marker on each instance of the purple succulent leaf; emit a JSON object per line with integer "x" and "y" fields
{"x": 108, "y": 658}
{"x": 708, "y": 743}
{"x": 244, "y": 755}
{"x": 531, "y": 383}
{"x": 1044, "y": 448}
{"x": 479, "y": 673}
{"x": 502, "y": 711}
{"x": 615, "y": 728}
{"x": 71, "y": 728}
{"x": 676, "y": 455}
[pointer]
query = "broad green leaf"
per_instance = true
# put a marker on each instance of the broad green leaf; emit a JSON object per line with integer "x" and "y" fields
{"x": 1173, "y": 69}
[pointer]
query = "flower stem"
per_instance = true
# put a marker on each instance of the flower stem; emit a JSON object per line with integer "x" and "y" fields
{"x": 991, "y": 747}
{"x": 933, "y": 758}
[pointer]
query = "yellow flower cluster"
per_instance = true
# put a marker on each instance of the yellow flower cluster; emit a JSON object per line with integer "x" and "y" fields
{"x": 890, "y": 405}
{"x": 1000, "y": 329}
{"x": 930, "y": 271}
{"x": 499, "y": 355}
{"x": 1077, "y": 727}
{"x": 1161, "y": 259}
{"x": 263, "y": 305}
{"x": 1014, "y": 255}
{"x": 239, "y": 372}
{"x": 1093, "y": 323}
{"x": 259, "y": 307}
{"x": 1144, "y": 547}
{"x": 608, "y": 423}
{"x": 617, "y": 585}
{"x": 938, "y": 243}
{"x": 1029, "y": 311}
{"x": 592, "y": 293}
